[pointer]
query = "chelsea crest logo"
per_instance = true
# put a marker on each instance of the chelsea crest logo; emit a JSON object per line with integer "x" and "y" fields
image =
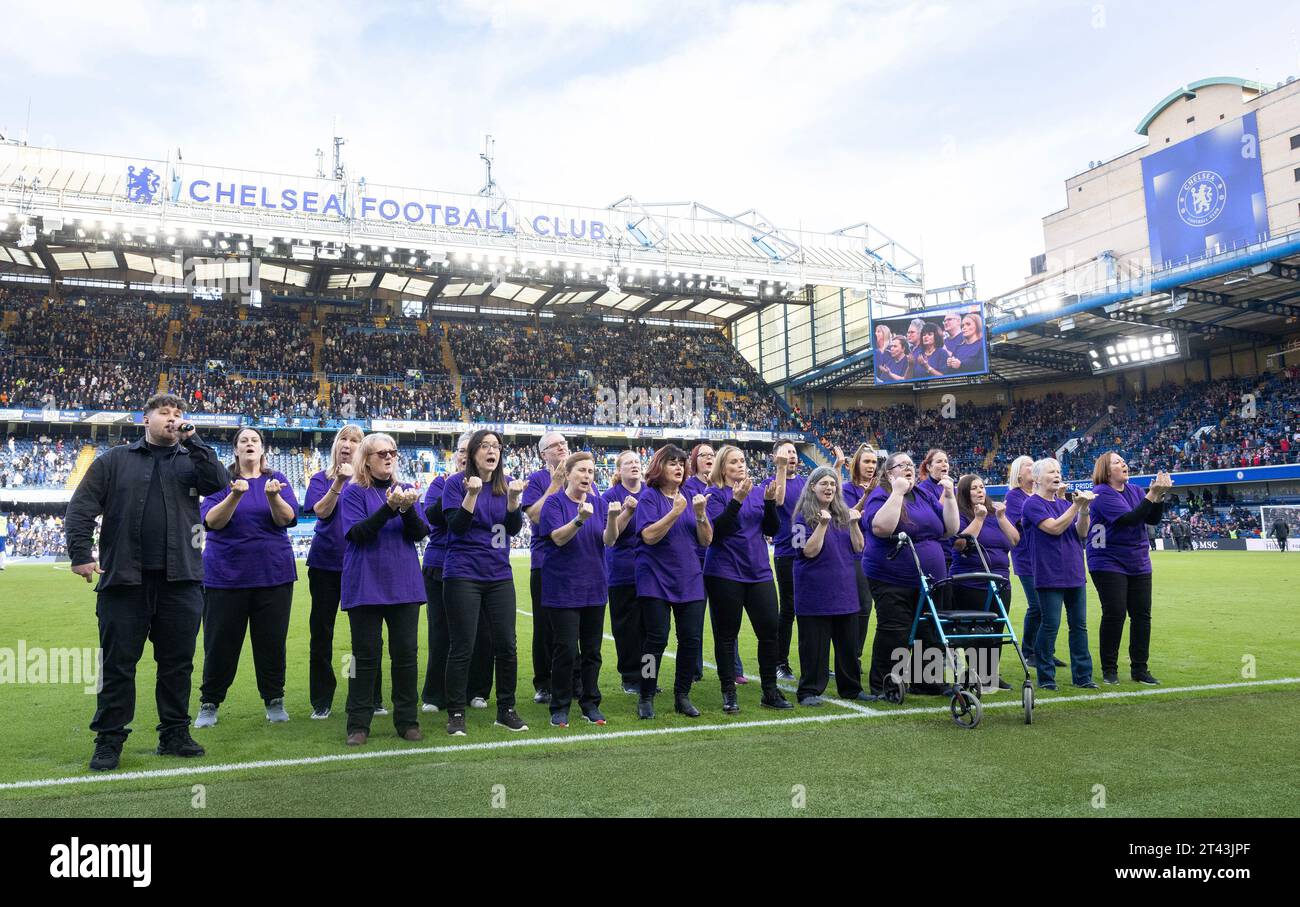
{"x": 141, "y": 187}
{"x": 1202, "y": 197}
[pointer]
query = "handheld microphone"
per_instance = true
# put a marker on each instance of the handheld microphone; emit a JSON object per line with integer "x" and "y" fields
{"x": 187, "y": 426}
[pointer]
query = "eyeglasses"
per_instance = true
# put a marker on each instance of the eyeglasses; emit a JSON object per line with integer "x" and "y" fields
{"x": 384, "y": 454}
{"x": 899, "y": 466}
{"x": 558, "y": 445}
{"x": 489, "y": 447}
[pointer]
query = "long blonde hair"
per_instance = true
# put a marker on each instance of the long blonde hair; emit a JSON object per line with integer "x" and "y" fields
{"x": 1013, "y": 471}
{"x": 347, "y": 431}
{"x": 718, "y": 474}
{"x": 360, "y": 457}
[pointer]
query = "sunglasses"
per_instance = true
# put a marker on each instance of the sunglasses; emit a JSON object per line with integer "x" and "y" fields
{"x": 384, "y": 454}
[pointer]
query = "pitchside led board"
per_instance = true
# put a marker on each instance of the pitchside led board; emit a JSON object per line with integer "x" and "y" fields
{"x": 948, "y": 342}
{"x": 1205, "y": 193}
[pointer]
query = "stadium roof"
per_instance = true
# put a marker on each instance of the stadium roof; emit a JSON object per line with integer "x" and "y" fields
{"x": 1189, "y": 91}
{"x": 134, "y": 222}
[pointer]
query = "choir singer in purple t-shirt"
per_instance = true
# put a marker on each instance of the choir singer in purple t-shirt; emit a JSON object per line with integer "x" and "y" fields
{"x": 248, "y": 577}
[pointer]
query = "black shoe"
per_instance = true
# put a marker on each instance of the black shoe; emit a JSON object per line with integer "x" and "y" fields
{"x": 510, "y": 720}
{"x": 783, "y": 672}
{"x": 1110, "y": 677}
{"x": 633, "y": 688}
{"x": 772, "y": 699}
{"x": 682, "y": 704}
{"x": 541, "y": 697}
{"x": 1087, "y": 685}
{"x": 178, "y": 743}
{"x": 729, "y": 703}
{"x": 1058, "y": 662}
{"x": 1003, "y": 685}
{"x": 697, "y": 678}
{"x": 645, "y": 707}
{"x": 1145, "y": 677}
{"x": 456, "y": 724}
{"x": 107, "y": 756}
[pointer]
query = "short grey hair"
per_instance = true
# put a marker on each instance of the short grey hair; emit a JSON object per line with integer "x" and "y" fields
{"x": 1041, "y": 466}
{"x": 542, "y": 445}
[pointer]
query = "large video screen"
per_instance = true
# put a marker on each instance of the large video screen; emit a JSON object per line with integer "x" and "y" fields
{"x": 948, "y": 342}
{"x": 1205, "y": 193}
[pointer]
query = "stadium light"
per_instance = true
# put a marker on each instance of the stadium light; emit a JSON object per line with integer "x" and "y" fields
{"x": 1126, "y": 352}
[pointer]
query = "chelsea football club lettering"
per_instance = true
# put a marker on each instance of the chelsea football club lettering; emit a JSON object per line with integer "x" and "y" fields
{"x": 142, "y": 188}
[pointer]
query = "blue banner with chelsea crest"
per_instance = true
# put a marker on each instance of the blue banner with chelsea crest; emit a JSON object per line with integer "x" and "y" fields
{"x": 1205, "y": 194}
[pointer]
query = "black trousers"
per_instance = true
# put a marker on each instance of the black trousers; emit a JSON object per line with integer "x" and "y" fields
{"x": 543, "y": 645}
{"x": 1123, "y": 596}
{"x": 816, "y": 635}
{"x": 625, "y": 624}
{"x": 435, "y": 672}
{"x": 785, "y": 587}
{"x": 403, "y": 654}
{"x": 864, "y": 612}
{"x": 326, "y": 591}
{"x": 261, "y": 612}
{"x": 656, "y": 616}
{"x": 577, "y": 634}
{"x": 466, "y": 601}
{"x": 967, "y": 598}
{"x": 167, "y": 613}
{"x": 895, "y": 610}
{"x": 728, "y": 599}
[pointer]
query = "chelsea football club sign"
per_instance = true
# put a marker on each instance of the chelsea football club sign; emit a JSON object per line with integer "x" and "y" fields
{"x": 1206, "y": 193}
{"x": 355, "y": 201}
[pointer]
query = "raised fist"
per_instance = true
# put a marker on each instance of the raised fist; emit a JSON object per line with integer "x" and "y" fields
{"x": 679, "y": 503}
{"x": 238, "y": 486}
{"x": 273, "y": 487}
{"x": 981, "y": 510}
{"x": 948, "y": 490}
{"x": 824, "y": 515}
{"x": 743, "y": 488}
{"x": 699, "y": 502}
{"x": 782, "y": 461}
{"x": 473, "y": 485}
{"x": 516, "y": 487}
{"x": 345, "y": 470}
{"x": 585, "y": 510}
{"x": 900, "y": 485}
{"x": 615, "y": 508}
{"x": 629, "y": 503}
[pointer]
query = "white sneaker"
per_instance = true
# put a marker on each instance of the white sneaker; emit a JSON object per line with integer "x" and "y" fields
{"x": 320, "y": 714}
{"x": 275, "y": 711}
{"x": 478, "y": 702}
{"x": 381, "y": 711}
{"x": 428, "y": 707}
{"x": 207, "y": 715}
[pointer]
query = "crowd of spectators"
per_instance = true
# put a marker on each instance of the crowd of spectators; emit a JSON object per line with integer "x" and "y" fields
{"x": 41, "y": 463}
{"x": 35, "y": 535}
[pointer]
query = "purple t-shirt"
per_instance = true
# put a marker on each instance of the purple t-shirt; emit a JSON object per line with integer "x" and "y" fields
{"x": 669, "y": 569}
{"x": 997, "y": 549}
{"x": 435, "y": 549}
{"x": 741, "y": 556}
{"x": 825, "y": 584}
{"x": 1022, "y": 556}
{"x": 1126, "y": 549}
{"x": 935, "y": 490}
{"x": 1058, "y": 559}
{"x": 620, "y": 561}
{"x": 538, "y": 484}
{"x": 922, "y": 520}
{"x": 249, "y": 551}
{"x": 573, "y": 574}
{"x": 690, "y": 488}
{"x": 793, "y": 488}
{"x": 852, "y": 494}
{"x": 482, "y": 552}
{"x": 326, "y": 551}
{"x": 385, "y": 571}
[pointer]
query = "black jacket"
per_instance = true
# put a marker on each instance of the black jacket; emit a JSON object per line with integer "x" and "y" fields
{"x": 116, "y": 486}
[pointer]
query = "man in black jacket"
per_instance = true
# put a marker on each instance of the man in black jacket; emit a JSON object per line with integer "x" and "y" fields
{"x": 150, "y": 581}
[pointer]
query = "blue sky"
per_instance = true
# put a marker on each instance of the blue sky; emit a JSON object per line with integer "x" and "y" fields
{"x": 949, "y": 125}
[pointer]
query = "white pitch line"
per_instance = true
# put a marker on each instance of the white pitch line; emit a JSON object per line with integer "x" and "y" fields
{"x": 602, "y": 736}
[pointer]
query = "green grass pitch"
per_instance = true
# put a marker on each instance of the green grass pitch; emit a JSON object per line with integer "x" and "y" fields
{"x": 1220, "y": 618}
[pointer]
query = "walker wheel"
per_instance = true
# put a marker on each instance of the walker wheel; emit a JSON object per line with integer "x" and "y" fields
{"x": 966, "y": 709}
{"x": 1027, "y": 697}
{"x": 892, "y": 690}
